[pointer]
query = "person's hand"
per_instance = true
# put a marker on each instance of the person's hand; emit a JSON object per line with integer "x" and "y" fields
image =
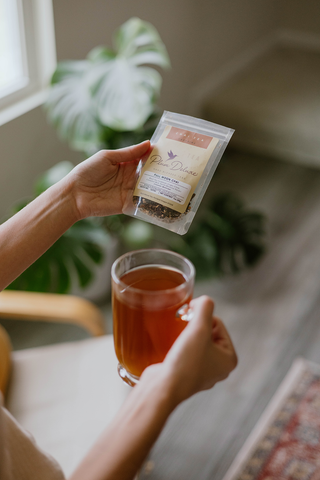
{"x": 101, "y": 183}
{"x": 201, "y": 356}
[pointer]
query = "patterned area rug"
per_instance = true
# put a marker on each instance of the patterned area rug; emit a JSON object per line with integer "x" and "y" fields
{"x": 285, "y": 444}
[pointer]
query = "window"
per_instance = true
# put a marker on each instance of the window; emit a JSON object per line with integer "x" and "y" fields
{"x": 27, "y": 55}
{"x": 12, "y": 56}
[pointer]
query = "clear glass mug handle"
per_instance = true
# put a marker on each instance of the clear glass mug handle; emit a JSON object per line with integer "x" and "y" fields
{"x": 185, "y": 313}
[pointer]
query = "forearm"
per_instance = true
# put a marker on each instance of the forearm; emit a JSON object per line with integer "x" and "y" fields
{"x": 29, "y": 233}
{"x": 122, "y": 448}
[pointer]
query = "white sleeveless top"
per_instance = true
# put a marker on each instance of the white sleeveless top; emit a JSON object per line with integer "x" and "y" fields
{"x": 20, "y": 457}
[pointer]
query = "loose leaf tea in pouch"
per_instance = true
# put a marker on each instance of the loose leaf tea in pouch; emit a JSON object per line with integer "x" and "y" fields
{"x": 173, "y": 178}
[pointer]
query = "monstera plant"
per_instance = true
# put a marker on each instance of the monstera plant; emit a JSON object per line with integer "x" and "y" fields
{"x": 109, "y": 99}
{"x": 72, "y": 257}
{"x": 225, "y": 237}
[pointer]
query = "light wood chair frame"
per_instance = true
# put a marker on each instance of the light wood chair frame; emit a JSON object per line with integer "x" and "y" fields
{"x": 50, "y": 307}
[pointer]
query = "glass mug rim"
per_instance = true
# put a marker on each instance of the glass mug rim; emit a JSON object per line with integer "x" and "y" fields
{"x": 124, "y": 286}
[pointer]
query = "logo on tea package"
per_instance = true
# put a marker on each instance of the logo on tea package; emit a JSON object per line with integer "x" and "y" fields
{"x": 171, "y": 155}
{"x": 191, "y": 138}
{"x": 173, "y": 165}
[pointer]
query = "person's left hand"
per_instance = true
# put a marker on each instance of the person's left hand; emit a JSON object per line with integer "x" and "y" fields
{"x": 101, "y": 183}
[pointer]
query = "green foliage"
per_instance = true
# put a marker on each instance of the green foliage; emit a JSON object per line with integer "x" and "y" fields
{"x": 109, "y": 99}
{"x": 226, "y": 238}
{"x": 72, "y": 256}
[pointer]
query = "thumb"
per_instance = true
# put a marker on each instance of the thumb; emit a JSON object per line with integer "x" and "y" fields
{"x": 129, "y": 154}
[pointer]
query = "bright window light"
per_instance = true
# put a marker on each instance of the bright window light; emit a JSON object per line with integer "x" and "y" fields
{"x": 27, "y": 55}
{"x": 13, "y": 75}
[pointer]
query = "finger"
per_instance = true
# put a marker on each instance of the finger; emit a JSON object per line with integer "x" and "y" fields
{"x": 202, "y": 310}
{"x": 221, "y": 338}
{"x": 220, "y": 331}
{"x": 214, "y": 322}
{"x": 129, "y": 154}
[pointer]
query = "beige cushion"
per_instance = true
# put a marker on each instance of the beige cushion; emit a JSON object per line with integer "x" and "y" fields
{"x": 66, "y": 394}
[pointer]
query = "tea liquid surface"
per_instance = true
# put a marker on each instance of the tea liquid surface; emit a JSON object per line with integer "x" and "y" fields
{"x": 144, "y": 315}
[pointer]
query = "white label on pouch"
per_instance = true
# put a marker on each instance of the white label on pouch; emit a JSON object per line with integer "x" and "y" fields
{"x": 166, "y": 187}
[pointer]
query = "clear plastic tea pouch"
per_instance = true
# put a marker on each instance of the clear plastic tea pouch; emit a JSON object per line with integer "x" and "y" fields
{"x": 173, "y": 178}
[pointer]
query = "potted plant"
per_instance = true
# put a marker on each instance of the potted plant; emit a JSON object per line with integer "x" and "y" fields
{"x": 71, "y": 263}
{"x": 109, "y": 100}
{"x": 225, "y": 237}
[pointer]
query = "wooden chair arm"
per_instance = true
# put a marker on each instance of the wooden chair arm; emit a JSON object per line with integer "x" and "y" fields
{"x": 5, "y": 359}
{"x": 52, "y": 307}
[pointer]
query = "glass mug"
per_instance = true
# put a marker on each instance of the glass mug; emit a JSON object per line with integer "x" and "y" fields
{"x": 151, "y": 291}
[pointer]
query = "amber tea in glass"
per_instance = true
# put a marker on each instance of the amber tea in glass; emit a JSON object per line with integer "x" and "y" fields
{"x": 149, "y": 289}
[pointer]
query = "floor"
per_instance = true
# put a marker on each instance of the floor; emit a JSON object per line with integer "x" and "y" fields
{"x": 272, "y": 312}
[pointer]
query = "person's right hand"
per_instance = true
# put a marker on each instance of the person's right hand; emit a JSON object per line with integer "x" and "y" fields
{"x": 201, "y": 356}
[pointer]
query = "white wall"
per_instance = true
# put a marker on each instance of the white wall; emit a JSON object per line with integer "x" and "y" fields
{"x": 200, "y": 35}
{"x": 228, "y": 27}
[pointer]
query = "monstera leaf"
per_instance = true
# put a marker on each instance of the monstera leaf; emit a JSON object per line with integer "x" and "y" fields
{"x": 227, "y": 238}
{"x": 126, "y": 95}
{"x": 113, "y": 88}
{"x": 70, "y": 106}
{"x": 72, "y": 258}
